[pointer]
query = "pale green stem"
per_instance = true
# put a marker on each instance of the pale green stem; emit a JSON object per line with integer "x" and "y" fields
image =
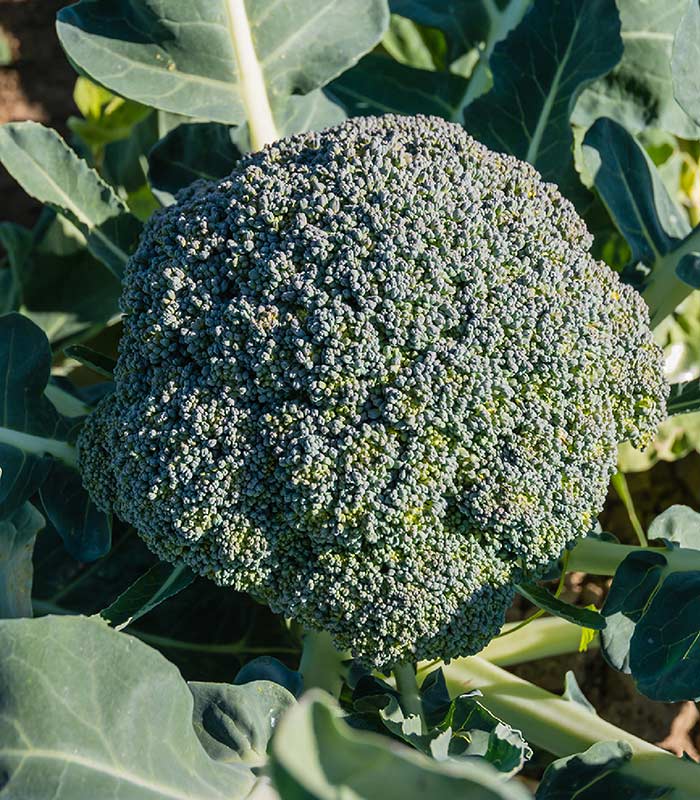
{"x": 550, "y": 636}
{"x": 619, "y": 483}
{"x": 261, "y": 124}
{"x": 598, "y": 557}
{"x": 563, "y": 727}
{"x": 665, "y": 291}
{"x": 65, "y": 403}
{"x": 321, "y": 665}
{"x": 39, "y": 446}
{"x": 407, "y": 685}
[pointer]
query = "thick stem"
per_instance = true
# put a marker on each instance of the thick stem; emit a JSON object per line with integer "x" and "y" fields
{"x": 665, "y": 291}
{"x": 261, "y": 125}
{"x": 603, "y": 558}
{"x": 542, "y": 638}
{"x": 563, "y": 727}
{"x": 406, "y": 683}
{"x": 321, "y": 664}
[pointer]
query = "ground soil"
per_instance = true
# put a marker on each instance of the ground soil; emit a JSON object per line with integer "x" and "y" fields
{"x": 38, "y": 85}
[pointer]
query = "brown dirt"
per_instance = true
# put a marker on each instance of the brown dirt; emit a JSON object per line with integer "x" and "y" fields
{"x": 37, "y": 85}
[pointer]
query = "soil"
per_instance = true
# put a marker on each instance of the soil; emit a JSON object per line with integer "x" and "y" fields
{"x": 38, "y": 85}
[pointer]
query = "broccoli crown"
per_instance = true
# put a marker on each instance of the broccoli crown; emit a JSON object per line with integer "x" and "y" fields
{"x": 373, "y": 377}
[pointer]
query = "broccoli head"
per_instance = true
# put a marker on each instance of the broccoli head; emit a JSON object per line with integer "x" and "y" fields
{"x": 375, "y": 378}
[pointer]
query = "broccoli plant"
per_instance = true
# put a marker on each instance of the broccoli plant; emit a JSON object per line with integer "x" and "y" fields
{"x": 319, "y": 355}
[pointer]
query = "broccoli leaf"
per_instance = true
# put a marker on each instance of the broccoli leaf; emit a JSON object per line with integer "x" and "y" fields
{"x": 36, "y": 443}
{"x": 472, "y": 28}
{"x": 32, "y": 432}
{"x": 97, "y": 362}
{"x": 86, "y": 531}
{"x": 109, "y": 717}
{"x": 185, "y": 58}
{"x": 595, "y": 774}
{"x": 633, "y": 192}
{"x": 402, "y": 90}
{"x": 317, "y": 754}
{"x": 415, "y": 45}
{"x": 17, "y": 535}
{"x": 158, "y": 584}
{"x": 46, "y": 168}
{"x": 638, "y": 92}
{"x": 658, "y": 591}
{"x": 457, "y": 728}
{"x": 235, "y": 723}
{"x": 560, "y": 47}
{"x": 684, "y": 61}
{"x": 544, "y": 599}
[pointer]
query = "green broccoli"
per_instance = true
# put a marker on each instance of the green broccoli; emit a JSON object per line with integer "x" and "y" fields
{"x": 375, "y": 378}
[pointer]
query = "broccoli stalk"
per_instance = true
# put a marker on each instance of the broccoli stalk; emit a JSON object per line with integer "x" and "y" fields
{"x": 665, "y": 291}
{"x": 322, "y": 666}
{"x": 407, "y": 684}
{"x": 563, "y": 727}
{"x": 261, "y": 125}
{"x": 597, "y": 557}
{"x": 541, "y": 638}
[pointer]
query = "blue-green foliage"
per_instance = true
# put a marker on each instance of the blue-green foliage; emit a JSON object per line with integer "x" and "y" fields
{"x": 375, "y": 378}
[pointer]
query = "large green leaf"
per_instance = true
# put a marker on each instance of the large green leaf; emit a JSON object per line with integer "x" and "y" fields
{"x": 17, "y": 535}
{"x": 32, "y": 432}
{"x": 90, "y": 713}
{"x": 632, "y": 190}
{"x": 235, "y": 723}
{"x": 684, "y": 62}
{"x": 380, "y": 85}
{"x": 210, "y": 59}
{"x": 86, "y": 531}
{"x": 50, "y": 171}
{"x": 596, "y": 774}
{"x": 659, "y": 592}
{"x": 560, "y": 47}
{"x": 638, "y": 93}
{"x": 36, "y": 443}
{"x": 315, "y": 754}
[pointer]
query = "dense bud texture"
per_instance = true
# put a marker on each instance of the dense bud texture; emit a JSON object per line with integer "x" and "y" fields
{"x": 373, "y": 377}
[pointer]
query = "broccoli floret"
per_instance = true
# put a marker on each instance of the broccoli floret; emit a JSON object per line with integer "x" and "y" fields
{"x": 375, "y": 378}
